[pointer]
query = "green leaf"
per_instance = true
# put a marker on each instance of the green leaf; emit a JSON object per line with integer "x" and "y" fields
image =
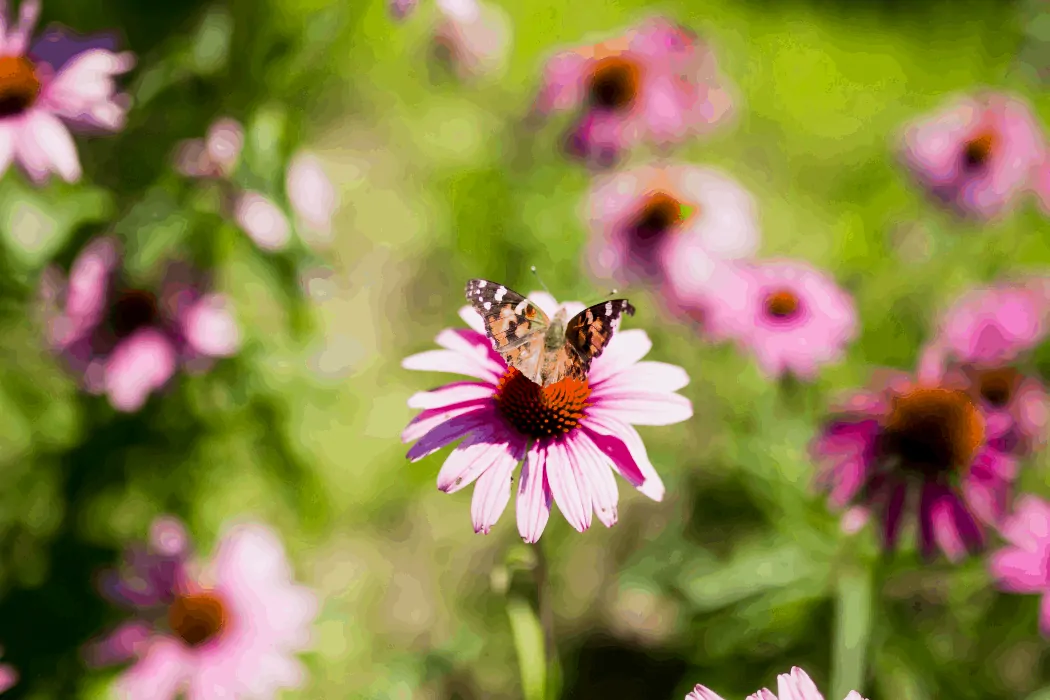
{"x": 211, "y": 46}
{"x": 528, "y": 642}
{"x": 263, "y": 146}
{"x": 852, "y": 631}
{"x": 152, "y": 230}
{"x": 35, "y": 224}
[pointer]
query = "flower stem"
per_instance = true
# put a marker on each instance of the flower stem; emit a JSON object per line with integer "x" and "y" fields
{"x": 545, "y": 607}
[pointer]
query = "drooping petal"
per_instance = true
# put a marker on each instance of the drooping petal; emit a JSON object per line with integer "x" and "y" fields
{"x": 1019, "y": 571}
{"x": 53, "y": 142}
{"x": 611, "y": 435}
{"x": 492, "y": 490}
{"x": 451, "y": 362}
{"x": 534, "y": 494}
{"x": 479, "y": 452}
{"x": 450, "y": 394}
{"x": 432, "y": 418}
{"x": 448, "y": 432}
{"x": 594, "y": 465}
{"x": 701, "y": 692}
{"x": 570, "y": 488}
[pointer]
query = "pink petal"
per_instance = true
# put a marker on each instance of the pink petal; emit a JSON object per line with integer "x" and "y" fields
{"x": 450, "y": 394}
{"x": 210, "y": 327}
{"x": 262, "y": 220}
{"x": 763, "y": 694}
{"x": 17, "y": 40}
{"x": 1044, "y": 616}
{"x": 595, "y": 468}
{"x": 123, "y": 644}
{"x": 473, "y": 345}
{"x": 432, "y": 418}
{"x": 448, "y": 432}
{"x": 645, "y": 408}
{"x": 139, "y": 365}
{"x": 626, "y": 348}
{"x": 451, "y": 362}
{"x": 168, "y": 536}
{"x": 158, "y": 675}
{"x": 1018, "y": 571}
{"x": 7, "y": 149}
{"x": 478, "y": 453}
{"x": 51, "y": 145}
{"x": 647, "y": 377}
{"x": 310, "y": 192}
{"x": 703, "y": 693}
{"x": 472, "y": 319}
{"x": 224, "y": 142}
{"x": 611, "y": 435}
{"x": 797, "y": 686}
{"x": 8, "y": 677}
{"x": 534, "y": 495}
{"x": 1029, "y": 525}
{"x": 570, "y": 489}
{"x": 492, "y": 492}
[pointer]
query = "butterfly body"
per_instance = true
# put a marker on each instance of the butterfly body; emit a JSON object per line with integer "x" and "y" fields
{"x": 546, "y": 350}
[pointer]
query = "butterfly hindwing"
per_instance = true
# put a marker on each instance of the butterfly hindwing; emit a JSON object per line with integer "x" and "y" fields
{"x": 589, "y": 331}
{"x": 514, "y": 324}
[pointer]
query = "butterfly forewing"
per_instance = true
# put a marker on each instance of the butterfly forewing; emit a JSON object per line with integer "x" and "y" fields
{"x": 589, "y": 331}
{"x": 513, "y": 324}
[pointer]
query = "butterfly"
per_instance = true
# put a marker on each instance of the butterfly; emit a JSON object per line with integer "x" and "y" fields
{"x": 545, "y": 350}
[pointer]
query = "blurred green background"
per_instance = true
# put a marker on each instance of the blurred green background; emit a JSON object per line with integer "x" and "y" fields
{"x": 739, "y": 574}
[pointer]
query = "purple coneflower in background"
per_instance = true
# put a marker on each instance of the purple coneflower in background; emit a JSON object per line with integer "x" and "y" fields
{"x": 1021, "y": 567}
{"x": 229, "y": 627}
{"x": 47, "y": 84}
{"x": 796, "y": 685}
{"x": 656, "y": 83}
{"x": 979, "y": 153}
{"x": 569, "y": 433}
{"x": 126, "y": 341}
{"x": 924, "y": 444}
{"x": 644, "y": 219}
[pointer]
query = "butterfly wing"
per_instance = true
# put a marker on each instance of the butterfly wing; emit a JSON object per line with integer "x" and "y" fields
{"x": 515, "y": 325}
{"x": 586, "y": 336}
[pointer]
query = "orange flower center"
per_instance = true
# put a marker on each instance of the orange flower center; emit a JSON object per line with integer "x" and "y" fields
{"x": 978, "y": 151}
{"x": 19, "y": 85}
{"x": 659, "y": 215}
{"x": 541, "y": 412}
{"x": 197, "y": 618}
{"x": 132, "y": 310}
{"x": 614, "y": 83}
{"x": 782, "y": 304}
{"x": 996, "y": 386}
{"x": 932, "y": 431}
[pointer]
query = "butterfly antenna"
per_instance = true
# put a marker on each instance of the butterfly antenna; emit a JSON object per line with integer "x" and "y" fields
{"x": 538, "y": 279}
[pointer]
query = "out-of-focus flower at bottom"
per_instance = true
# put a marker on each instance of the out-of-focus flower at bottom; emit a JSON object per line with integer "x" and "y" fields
{"x": 227, "y": 627}
{"x": 1021, "y": 567}
{"x": 796, "y": 685}
{"x": 126, "y": 341}
{"x": 8, "y": 676}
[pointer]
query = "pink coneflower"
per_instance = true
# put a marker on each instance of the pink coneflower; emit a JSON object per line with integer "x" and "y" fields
{"x": 796, "y": 685}
{"x": 793, "y": 317}
{"x": 8, "y": 676}
{"x": 994, "y": 325}
{"x": 569, "y": 434}
{"x": 472, "y": 38}
{"x": 37, "y": 96}
{"x": 978, "y": 153}
{"x": 1021, "y": 567}
{"x": 643, "y": 219}
{"x": 126, "y": 341}
{"x": 229, "y": 627}
{"x": 920, "y": 443}
{"x": 657, "y": 83}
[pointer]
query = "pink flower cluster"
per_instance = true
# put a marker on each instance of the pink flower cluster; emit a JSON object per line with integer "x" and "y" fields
{"x": 796, "y": 685}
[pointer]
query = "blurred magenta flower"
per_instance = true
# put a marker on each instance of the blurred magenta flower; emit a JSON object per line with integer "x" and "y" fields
{"x": 1021, "y": 566}
{"x": 471, "y": 37}
{"x": 37, "y": 97}
{"x": 796, "y": 685}
{"x": 263, "y": 221}
{"x": 401, "y": 9}
{"x": 8, "y": 676}
{"x": 127, "y": 342}
{"x": 311, "y": 194}
{"x": 214, "y": 157}
{"x": 569, "y": 433}
{"x": 644, "y": 219}
{"x": 978, "y": 153}
{"x": 656, "y": 83}
{"x": 994, "y": 325}
{"x": 792, "y": 317}
{"x": 922, "y": 443}
{"x": 228, "y": 627}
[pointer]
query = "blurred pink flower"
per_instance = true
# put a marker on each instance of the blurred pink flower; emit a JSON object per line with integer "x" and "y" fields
{"x": 569, "y": 433}
{"x": 978, "y": 153}
{"x": 401, "y": 9}
{"x": 926, "y": 438}
{"x": 229, "y": 627}
{"x": 311, "y": 194}
{"x": 1021, "y": 567}
{"x": 215, "y": 156}
{"x": 127, "y": 342}
{"x": 796, "y": 685}
{"x": 473, "y": 38}
{"x": 644, "y": 218}
{"x": 656, "y": 83}
{"x": 994, "y": 325}
{"x": 36, "y": 98}
{"x": 793, "y": 317}
{"x": 263, "y": 221}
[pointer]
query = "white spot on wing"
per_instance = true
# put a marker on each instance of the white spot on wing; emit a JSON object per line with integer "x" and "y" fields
{"x": 522, "y": 305}
{"x": 487, "y": 305}
{"x": 500, "y": 293}
{"x": 608, "y": 308}
{"x": 481, "y": 284}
